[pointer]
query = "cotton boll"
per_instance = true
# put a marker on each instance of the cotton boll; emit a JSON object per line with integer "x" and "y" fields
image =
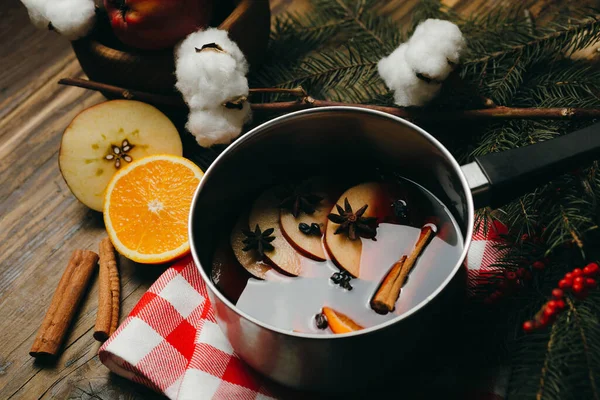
{"x": 217, "y": 126}
{"x": 71, "y": 18}
{"x": 212, "y": 35}
{"x": 209, "y": 78}
{"x": 434, "y": 47}
{"x": 415, "y": 93}
{"x": 37, "y": 12}
{"x": 402, "y": 79}
{"x": 393, "y": 69}
{"x": 440, "y": 31}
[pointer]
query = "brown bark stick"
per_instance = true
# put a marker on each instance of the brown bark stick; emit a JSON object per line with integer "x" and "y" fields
{"x": 384, "y": 300}
{"x": 305, "y": 102}
{"x": 64, "y": 303}
{"x": 497, "y": 112}
{"x": 298, "y": 92}
{"x": 109, "y": 290}
{"x": 379, "y": 301}
{"x": 127, "y": 94}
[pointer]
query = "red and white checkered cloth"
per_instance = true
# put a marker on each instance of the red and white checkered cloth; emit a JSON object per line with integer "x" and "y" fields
{"x": 171, "y": 343}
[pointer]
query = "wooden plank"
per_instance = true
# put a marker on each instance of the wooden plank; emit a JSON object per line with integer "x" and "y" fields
{"x": 28, "y": 56}
{"x": 33, "y": 129}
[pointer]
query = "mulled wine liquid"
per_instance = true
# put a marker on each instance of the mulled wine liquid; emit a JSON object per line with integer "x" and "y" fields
{"x": 291, "y": 302}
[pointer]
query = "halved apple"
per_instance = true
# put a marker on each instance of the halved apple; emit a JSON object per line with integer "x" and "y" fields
{"x": 265, "y": 214}
{"x": 344, "y": 252}
{"x": 309, "y": 245}
{"x": 105, "y": 137}
{"x": 250, "y": 260}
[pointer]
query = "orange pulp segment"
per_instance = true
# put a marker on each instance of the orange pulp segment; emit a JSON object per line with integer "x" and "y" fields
{"x": 146, "y": 208}
{"x": 340, "y": 323}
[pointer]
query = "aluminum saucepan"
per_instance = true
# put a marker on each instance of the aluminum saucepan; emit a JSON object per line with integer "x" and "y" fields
{"x": 328, "y": 139}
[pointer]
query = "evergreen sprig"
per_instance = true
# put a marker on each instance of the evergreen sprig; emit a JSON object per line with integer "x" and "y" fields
{"x": 333, "y": 51}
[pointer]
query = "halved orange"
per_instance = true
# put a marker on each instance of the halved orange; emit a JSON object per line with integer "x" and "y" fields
{"x": 340, "y": 323}
{"x": 146, "y": 208}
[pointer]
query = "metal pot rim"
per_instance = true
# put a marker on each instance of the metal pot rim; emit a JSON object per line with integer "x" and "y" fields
{"x": 275, "y": 121}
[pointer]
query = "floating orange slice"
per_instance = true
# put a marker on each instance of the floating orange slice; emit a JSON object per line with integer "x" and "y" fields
{"x": 146, "y": 208}
{"x": 340, "y": 323}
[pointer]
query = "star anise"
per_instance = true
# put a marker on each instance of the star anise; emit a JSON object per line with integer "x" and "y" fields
{"x": 353, "y": 223}
{"x": 258, "y": 240}
{"x": 299, "y": 199}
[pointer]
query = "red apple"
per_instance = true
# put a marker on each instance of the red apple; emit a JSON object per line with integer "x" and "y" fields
{"x": 157, "y": 24}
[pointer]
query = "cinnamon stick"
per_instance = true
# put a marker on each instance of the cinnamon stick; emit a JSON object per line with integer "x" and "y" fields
{"x": 384, "y": 300}
{"x": 378, "y": 303}
{"x": 109, "y": 290}
{"x": 64, "y": 303}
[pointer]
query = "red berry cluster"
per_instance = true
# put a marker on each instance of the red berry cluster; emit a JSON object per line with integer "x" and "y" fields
{"x": 511, "y": 282}
{"x": 578, "y": 282}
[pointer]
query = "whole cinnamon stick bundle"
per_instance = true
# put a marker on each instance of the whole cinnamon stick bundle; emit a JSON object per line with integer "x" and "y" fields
{"x": 109, "y": 290}
{"x": 384, "y": 300}
{"x": 64, "y": 303}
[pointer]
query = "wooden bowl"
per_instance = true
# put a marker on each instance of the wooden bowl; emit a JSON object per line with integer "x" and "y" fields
{"x": 104, "y": 59}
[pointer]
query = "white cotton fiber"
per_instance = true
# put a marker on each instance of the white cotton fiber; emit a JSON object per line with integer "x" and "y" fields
{"x": 217, "y": 126}
{"x": 401, "y": 78}
{"x": 71, "y": 18}
{"x": 207, "y": 80}
{"x": 212, "y": 35}
{"x": 37, "y": 12}
{"x": 415, "y": 70}
{"x": 432, "y": 45}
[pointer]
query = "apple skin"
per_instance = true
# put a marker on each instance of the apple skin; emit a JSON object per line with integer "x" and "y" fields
{"x": 157, "y": 24}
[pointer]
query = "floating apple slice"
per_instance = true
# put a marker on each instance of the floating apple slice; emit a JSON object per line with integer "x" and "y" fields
{"x": 309, "y": 244}
{"x": 344, "y": 252}
{"x": 226, "y": 274}
{"x": 265, "y": 214}
{"x": 250, "y": 260}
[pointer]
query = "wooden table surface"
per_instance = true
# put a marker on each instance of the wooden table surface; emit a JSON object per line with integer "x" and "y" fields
{"x": 41, "y": 222}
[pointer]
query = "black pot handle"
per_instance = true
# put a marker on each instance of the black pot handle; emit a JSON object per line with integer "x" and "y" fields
{"x": 497, "y": 178}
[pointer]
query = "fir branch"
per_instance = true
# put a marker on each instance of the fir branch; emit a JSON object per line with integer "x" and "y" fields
{"x": 365, "y": 22}
{"x": 496, "y": 30}
{"x": 484, "y": 219}
{"x": 572, "y": 83}
{"x": 426, "y": 9}
{"x": 545, "y": 368}
{"x": 356, "y": 16}
{"x": 336, "y": 73}
{"x": 567, "y": 39}
{"x": 501, "y": 90}
{"x": 586, "y": 348}
{"x": 571, "y": 229}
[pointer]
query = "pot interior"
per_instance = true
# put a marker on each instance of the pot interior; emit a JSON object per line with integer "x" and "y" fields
{"x": 337, "y": 140}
